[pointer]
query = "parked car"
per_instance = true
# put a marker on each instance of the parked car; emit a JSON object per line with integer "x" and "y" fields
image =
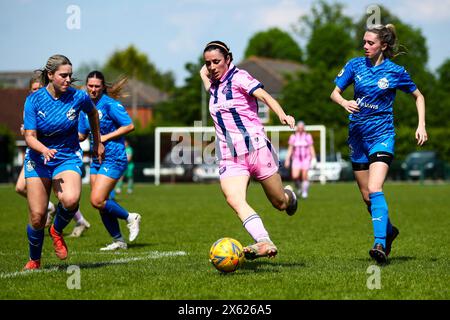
{"x": 422, "y": 164}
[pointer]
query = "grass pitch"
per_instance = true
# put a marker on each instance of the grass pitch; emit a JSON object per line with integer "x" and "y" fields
{"x": 323, "y": 249}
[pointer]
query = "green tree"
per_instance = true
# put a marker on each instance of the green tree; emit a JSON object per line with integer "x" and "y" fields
{"x": 273, "y": 43}
{"x": 136, "y": 65}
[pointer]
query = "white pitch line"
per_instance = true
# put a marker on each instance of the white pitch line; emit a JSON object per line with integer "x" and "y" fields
{"x": 151, "y": 255}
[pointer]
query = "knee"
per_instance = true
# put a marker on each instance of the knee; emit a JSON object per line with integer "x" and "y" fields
{"x": 97, "y": 202}
{"x": 279, "y": 203}
{"x": 22, "y": 190}
{"x": 70, "y": 202}
{"x": 37, "y": 220}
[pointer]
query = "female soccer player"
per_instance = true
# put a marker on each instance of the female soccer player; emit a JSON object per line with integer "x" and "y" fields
{"x": 114, "y": 124}
{"x": 301, "y": 150}
{"x": 371, "y": 129}
{"x": 243, "y": 150}
{"x": 54, "y": 159}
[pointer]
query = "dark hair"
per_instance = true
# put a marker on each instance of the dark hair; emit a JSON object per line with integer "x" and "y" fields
{"x": 221, "y": 46}
{"x": 114, "y": 90}
{"x": 388, "y": 36}
{"x": 53, "y": 63}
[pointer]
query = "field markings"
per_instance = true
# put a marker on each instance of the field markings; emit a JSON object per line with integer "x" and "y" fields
{"x": 143, "y": 256}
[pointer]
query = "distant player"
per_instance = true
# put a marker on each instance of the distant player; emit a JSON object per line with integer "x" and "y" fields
{"x": 114, "y": 124}
{"x": 54, "y": 160}
{"x": 301, "y": 152}
{"x": 243, "y": 148}
{"x": 371, "y": 129}
{"x": 21, "y": 186}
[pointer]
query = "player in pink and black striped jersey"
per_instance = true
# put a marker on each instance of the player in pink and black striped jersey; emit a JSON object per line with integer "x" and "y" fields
{"x": 242, "y": 147}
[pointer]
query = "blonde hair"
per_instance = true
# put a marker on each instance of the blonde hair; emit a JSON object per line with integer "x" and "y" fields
{"x": 387, "y": 35}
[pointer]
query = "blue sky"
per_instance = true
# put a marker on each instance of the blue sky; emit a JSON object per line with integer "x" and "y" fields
{"x": 174, "y": 32}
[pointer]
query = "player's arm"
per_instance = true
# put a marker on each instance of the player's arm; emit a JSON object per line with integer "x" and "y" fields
{"x": 36, "y": 145}
{"x": 263, "y": 96}
{"x": 123, "y": 130}
{"x": 82, "y": 136}
{"x": 421, "y": 132}
{"x": 287, "y": 162}
{"x": 350, "y": 105}
{"x": 204, "y": 74}
{"x": 98, "y": 148}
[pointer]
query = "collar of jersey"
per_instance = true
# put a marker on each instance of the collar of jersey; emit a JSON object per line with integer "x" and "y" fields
{"x": 381, "y": 65}
{"x": 227, "y": 75}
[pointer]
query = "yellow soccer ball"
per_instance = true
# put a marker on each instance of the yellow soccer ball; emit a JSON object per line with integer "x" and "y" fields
{"x": 226, "y": 254}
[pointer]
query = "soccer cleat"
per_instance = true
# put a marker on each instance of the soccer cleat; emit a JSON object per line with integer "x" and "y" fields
{"x": 79, "y": 229}
{"x": 118, "y": 190}
{"x": 133, "y": 226}
{"x": 260, "y": 249}
{"x": 58, "y": 243}
{"x": 390, "y": 238}
{"x": 32, "y": 265}
{"x": 304, "y": 195}
{"x": 51, "y": 211}
{"x": 378, "y": 254}
{"x": 292, "y": 206}
{"x": 116, "y": 245}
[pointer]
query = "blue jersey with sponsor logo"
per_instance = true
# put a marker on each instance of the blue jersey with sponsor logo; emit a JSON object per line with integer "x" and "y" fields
{"x": 56, "y": 120}
{"x": 375, "y": 89}
{"x": 112, "y": 115}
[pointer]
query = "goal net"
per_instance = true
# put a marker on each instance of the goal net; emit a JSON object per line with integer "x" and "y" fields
{"x": 178, "y": 147}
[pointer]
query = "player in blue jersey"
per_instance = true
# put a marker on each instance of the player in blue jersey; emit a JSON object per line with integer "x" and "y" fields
{"x": 54, "y": 160}
{"x": 371, "y": 125}
{"x": 114, "y": 124}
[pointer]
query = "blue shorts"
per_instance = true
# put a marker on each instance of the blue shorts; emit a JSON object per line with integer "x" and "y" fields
{"x": 110, "y": 169}
{"x": 361, "y": 150}
{"x": 34, "y": 166}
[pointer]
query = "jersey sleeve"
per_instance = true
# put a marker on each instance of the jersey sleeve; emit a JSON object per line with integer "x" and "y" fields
{"x": 119, "y": 115}
{"x": 291, "y": 140}
{"x": 86, "y": 103}
{"x": 405, "y": 83}
{"x": 346, "y": 76}
{"x": 29, "y": 115}
{"x": 83, "y": 124}
{"x": 247, "y": 83}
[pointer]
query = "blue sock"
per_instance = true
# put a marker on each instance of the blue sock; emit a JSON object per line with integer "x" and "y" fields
{"x": 35, "y": 241}
{"x": 380, "y": 217}
{"x": 389, "y": 225}
{"x": 111, "y": 224}
{"x": 114, "y": 209}
{"x": 112, "y": 194}
{"x": 63, "y": 217}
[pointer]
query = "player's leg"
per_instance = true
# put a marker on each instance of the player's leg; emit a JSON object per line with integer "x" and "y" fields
{"x": 234, "y": 189}
{"x": 295, "y": 176}
{"x": 67, "y": 188}
{"x": 305, "y": 181}
{"x": 130, "y": 179}
{"x": 21, "y": 186}
{"x": 109, "y": 208}
{"x": 38, "y": 195}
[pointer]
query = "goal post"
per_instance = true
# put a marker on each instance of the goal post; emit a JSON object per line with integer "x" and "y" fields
{"x": 203, "y": 134}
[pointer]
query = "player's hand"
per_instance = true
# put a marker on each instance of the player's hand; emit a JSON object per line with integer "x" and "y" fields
{"x": 421, "y": 135}
{"x": 49, "y": 154}
{"x": 289, "y": 120}
{"x": 204, "y": 72}
{"x": 313, "y": 162}
{"x": 99, "y": 152}
{"x": 286, "y": 163}
{"x": 350, "y": 105}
